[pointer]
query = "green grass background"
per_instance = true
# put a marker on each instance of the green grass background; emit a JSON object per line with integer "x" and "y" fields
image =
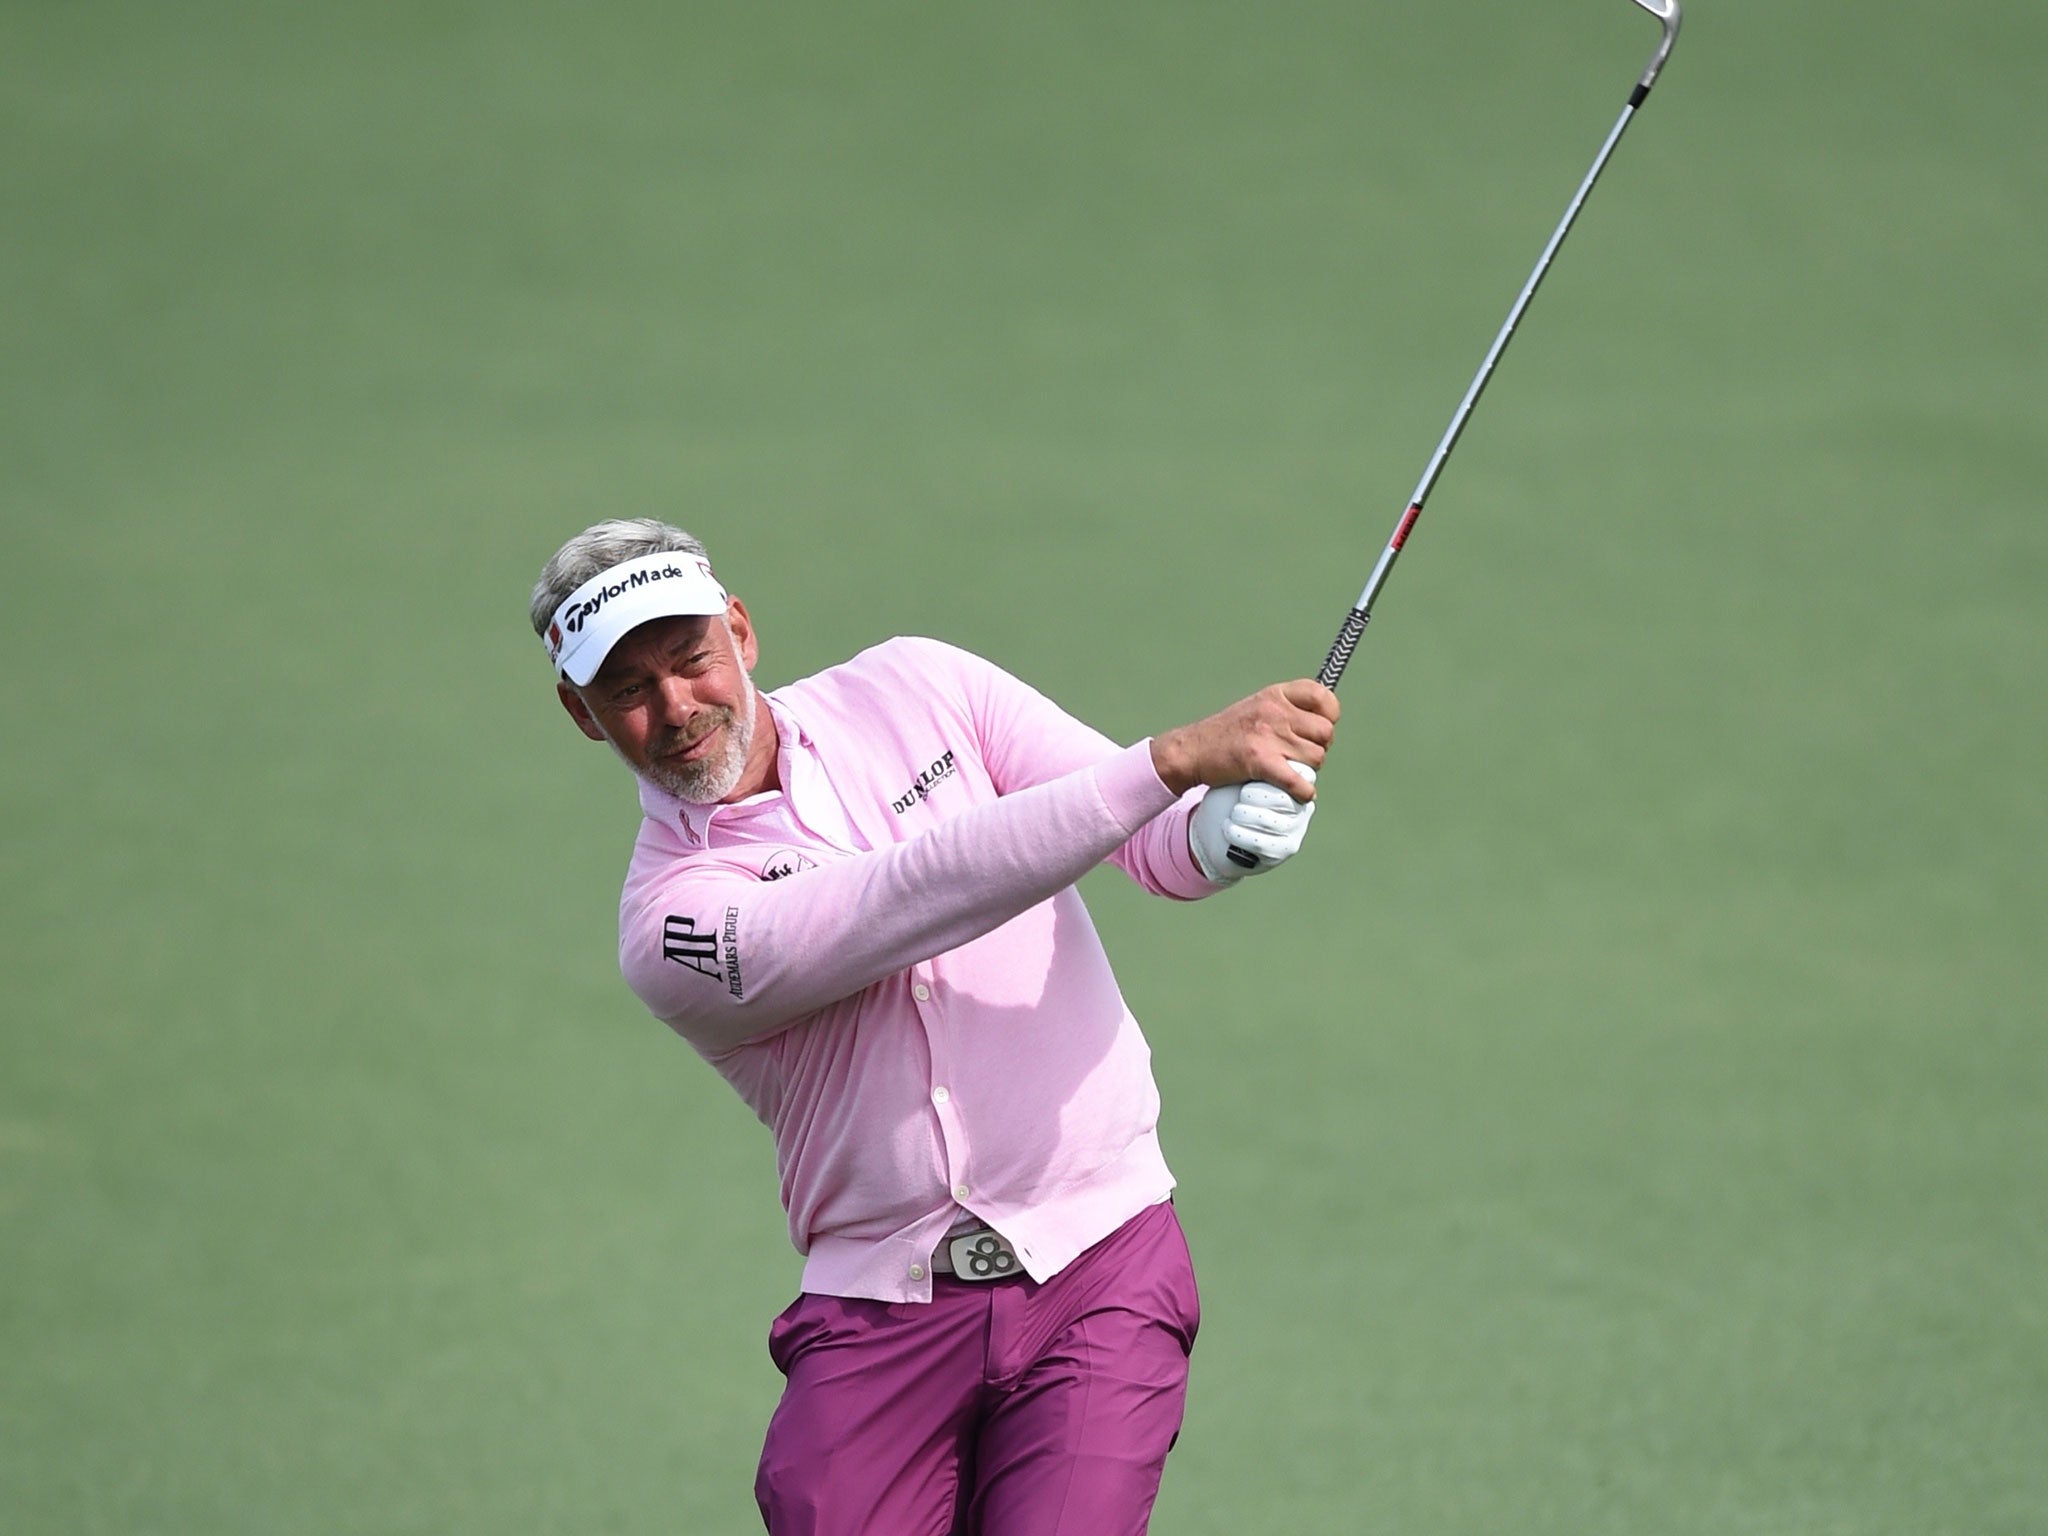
{"x": 1627, "y": 1117}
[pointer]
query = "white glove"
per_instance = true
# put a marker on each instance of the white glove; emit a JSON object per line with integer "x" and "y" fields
{"x": 1258, "y": 818}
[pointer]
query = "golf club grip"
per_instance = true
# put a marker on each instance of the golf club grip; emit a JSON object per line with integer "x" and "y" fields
{"x": 1332, "y": 669}
{"x": 1341, "y": 648}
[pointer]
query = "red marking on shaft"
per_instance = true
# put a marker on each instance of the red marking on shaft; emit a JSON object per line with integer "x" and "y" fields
{"x": 1407, "y": 522}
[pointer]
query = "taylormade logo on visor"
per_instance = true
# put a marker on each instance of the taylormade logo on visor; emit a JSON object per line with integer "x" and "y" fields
{"x": 572, "y": 621}
{"x": 593, "y": 617}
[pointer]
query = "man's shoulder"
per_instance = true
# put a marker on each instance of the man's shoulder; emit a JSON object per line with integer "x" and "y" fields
{"x": 662, "y": 856}
{"x": 894, "y": 673}
{"x": 897, "y": 656}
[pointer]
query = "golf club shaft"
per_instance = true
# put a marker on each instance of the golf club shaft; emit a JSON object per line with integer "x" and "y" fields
{"x": 1353, "y": 628}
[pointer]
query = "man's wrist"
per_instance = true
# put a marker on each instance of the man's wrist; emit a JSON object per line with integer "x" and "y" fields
{"x": 1171, "y": 761}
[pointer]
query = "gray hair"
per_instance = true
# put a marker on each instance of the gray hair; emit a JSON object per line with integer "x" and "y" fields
{"x": 598, "y": 548}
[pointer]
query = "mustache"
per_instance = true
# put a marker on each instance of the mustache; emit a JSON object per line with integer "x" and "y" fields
{"x": 684, "y": 737}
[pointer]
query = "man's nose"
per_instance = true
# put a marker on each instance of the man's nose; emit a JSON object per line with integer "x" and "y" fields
{"x": 678, "y": 704}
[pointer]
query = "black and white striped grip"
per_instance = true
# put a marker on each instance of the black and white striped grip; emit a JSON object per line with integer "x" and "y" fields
{"x": 1341, "y": 648}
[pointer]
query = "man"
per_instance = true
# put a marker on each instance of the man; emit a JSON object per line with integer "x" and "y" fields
{"x": 854, "y": 898}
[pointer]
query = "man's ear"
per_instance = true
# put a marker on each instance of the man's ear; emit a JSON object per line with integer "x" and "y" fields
{"x": 572, "y": 701}
{"x": 743, "y": 632}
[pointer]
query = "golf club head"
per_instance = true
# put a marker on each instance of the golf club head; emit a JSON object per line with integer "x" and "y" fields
{"x": 1666, "y": 12}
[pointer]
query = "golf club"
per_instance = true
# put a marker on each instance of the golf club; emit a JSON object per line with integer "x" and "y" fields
{"x": 1666, "y": 12}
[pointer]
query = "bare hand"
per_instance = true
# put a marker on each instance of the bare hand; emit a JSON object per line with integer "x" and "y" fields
{"x": 1253, "y": 739}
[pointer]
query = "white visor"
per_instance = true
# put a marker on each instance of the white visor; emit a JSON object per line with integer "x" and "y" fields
{"x": 598, "y": 614}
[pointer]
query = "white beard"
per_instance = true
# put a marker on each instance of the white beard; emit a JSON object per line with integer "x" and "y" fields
{"x": 710, "y": 781}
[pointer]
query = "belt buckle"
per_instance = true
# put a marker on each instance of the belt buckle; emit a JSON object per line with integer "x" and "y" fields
{"x": 982, "y": 1254}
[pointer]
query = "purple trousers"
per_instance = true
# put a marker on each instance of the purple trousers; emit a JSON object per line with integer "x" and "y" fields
{"x": 999, "y": 1408}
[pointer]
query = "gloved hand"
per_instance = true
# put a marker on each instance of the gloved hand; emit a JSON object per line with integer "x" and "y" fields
{"x": 1256, "y": 818}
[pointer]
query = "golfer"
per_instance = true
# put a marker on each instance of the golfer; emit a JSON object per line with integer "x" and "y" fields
{"x": 854, "y": 897}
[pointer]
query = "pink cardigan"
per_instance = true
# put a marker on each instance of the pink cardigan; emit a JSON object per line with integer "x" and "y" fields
{"x": 886, "y": 958}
